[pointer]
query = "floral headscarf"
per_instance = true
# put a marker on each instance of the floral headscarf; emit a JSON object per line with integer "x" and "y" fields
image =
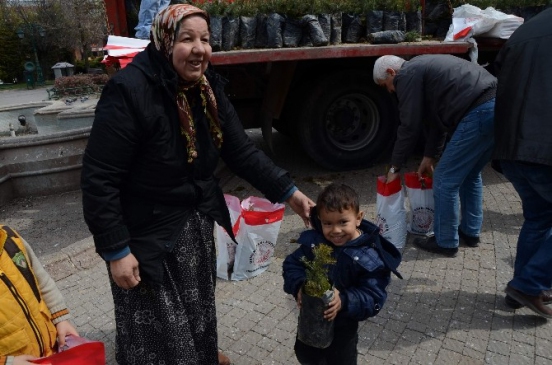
{"x": 163, "y": 34}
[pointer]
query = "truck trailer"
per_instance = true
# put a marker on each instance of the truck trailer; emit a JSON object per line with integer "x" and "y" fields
{"x": 323, "y": 97}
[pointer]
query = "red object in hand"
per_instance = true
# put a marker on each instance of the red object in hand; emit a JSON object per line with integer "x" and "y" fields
{"x": 77, "y": 351}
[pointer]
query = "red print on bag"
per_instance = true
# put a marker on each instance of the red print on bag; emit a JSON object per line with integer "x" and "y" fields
{"x": 382, "y": 224}
{"x": 422, "y": 218}
{"x": 261, "y": 256}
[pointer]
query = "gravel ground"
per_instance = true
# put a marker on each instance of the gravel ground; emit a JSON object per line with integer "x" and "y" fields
{"x": 48, "y": 223}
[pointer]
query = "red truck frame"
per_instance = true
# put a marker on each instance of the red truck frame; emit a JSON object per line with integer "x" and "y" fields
{"x": 323, "y": 97}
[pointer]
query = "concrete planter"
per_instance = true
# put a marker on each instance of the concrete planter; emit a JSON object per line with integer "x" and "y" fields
{"x": 41, "y": 165}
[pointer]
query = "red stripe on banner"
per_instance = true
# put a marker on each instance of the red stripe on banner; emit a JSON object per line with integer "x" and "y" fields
{"x": 411, "y": 180}
{"x": 256, "y": 218}
{"x": 387, "y": 189}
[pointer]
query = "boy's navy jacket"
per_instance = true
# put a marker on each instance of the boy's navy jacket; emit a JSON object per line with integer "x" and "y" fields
{"x": 361, "y": 273}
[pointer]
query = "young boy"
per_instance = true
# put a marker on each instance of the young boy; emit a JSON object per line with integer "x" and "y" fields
{"x": 33, "y": 314}
{"x": 364, "y": 262}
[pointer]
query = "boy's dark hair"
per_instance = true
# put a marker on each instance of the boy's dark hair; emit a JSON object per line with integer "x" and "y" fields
{"x": 337, "y": 197}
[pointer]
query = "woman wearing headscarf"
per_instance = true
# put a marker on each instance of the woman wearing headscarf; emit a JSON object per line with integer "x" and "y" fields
{"x": 150, "y": 197}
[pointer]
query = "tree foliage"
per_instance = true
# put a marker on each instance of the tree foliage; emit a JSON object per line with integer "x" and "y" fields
{"x": 70, "y": 28}
{"x": 317, "y": 270}
{"x": 10, "y": 56}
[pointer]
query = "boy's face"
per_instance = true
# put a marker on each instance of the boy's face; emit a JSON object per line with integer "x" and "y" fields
{"x": 340, "y": 227}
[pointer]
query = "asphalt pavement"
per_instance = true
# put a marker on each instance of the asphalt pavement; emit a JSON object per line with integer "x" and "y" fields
{"x": 445, "y": 311}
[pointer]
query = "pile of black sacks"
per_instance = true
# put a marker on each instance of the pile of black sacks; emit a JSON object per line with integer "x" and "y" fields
{"x": 279, "y": 31}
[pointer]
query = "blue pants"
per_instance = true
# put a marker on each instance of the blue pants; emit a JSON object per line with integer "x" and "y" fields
{"x": 148, "y": 11}
{"x": 532, "y": 268}
{"x": 457, "y": 176}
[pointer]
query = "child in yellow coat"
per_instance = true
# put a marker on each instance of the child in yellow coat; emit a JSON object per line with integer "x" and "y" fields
{"x": 33, "y": 314}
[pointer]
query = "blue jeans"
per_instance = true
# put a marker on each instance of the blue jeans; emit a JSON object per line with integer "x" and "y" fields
{"x": 148, "y": 11}
{"x": 457, "y": 177}
{"x": 532, "y": 268}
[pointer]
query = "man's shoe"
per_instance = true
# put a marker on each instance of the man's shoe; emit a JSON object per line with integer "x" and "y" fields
{"x": 223, "y": 359}
{"x": 431, "y": 245}
{"x": 470, "y": 241}
{"x": 510, "y": 302}
{"x": 535, "y": 303}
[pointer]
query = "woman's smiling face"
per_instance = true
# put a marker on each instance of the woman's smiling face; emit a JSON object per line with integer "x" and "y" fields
{"x": 192, "y": 51}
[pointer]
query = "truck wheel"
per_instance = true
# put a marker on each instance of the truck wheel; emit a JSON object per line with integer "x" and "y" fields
{"x": 347, "y": 122}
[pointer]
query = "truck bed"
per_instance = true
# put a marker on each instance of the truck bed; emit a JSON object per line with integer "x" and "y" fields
{"x": 243, "y": 56}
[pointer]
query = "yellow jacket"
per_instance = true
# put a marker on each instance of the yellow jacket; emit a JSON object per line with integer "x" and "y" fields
{"x": 30, "y": 302}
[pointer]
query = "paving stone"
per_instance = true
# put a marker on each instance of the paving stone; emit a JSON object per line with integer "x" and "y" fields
{"x": 446, "y": 310}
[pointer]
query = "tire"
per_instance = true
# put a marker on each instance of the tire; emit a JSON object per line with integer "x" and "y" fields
{"x": 348, "y": 122}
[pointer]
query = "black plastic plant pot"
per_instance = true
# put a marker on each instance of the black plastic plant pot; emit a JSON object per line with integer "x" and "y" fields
{"x": 312, "y": 328}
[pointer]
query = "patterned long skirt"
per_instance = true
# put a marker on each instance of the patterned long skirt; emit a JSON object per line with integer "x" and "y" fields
{"x": 176, "y": 323}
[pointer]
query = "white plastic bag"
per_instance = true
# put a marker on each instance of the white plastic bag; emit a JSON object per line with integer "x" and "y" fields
{"x": 391, "y": 212}
{"x": 469, "y": 21}
{"x": 257, "y": 232}
{"x": 422, "y": 205}
{"x": 505, "y": 24}
{"x": 226, "y": 247}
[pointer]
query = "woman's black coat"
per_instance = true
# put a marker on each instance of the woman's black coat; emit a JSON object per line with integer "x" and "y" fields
{"x": 137, "y": 184}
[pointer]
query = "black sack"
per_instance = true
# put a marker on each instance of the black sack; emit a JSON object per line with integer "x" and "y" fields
{"x": 293, "y": 31}
{"x": 216, "y": 33}
{"x": 312, "y": 328}
{"x": 352, "y": 28}
{"x": 374, "y": 21}
{"x": 315, "y": 31}
{"x": 274, "y": 26}
{"x": 230, "y": 32}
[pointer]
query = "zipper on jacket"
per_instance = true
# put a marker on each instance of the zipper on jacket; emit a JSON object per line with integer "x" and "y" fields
{"x": 25, "y": 310}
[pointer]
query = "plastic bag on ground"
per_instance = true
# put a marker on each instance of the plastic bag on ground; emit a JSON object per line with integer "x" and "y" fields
{"x": 391, "y": 211}
{"x": 226, "y": 247}
{"x": 422, "y": 205}
{"x": 257, "y": 232}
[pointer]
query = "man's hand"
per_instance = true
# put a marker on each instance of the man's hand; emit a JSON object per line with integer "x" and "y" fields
{"x": 301, "y": 205}
{"x": 426, "y": 167}
{"x": 125, "y": 272}
{"x": 64, "y": 328}
{"x": 333, "y": 307}
{"x": 24, "y": 360}
{"x": 392, "y": 176}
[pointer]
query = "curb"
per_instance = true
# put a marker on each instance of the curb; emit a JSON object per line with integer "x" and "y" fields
{"x": 78, "y": 256}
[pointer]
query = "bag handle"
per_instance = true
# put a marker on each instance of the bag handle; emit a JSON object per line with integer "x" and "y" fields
{"x": 257, "y": 218}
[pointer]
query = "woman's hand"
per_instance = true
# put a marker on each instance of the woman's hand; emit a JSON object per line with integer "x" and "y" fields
{"x": 64, "y": 328}
{"x": 301, "y": 205}
{"x": 125, "y": 272}
{"x": 333, "y": 307}
{"x": 23, "y": 360}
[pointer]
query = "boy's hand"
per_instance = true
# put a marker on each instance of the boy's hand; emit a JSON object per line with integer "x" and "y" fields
{"x": 23, "y": 360}
{"x": 64, "y": 328}
{"x": 299, "y": 299}
{"x": 333, "y": 307}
